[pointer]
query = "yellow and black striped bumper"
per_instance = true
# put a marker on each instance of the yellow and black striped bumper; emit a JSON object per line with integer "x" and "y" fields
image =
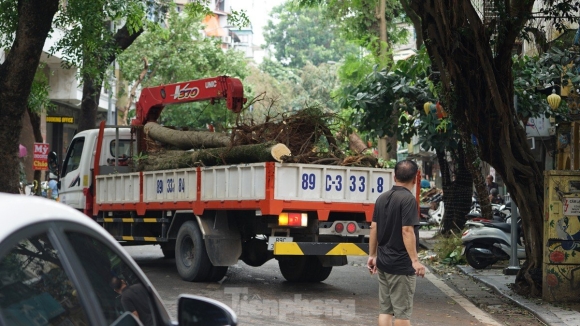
{"x": 143, "y": 239}
{"x": 321, "y": 249}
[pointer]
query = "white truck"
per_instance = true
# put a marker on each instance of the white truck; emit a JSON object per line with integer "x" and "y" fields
{"x": 308, "y": 217}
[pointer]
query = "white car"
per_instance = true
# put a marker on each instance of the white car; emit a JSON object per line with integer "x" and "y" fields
{"x": 59, "y": 267}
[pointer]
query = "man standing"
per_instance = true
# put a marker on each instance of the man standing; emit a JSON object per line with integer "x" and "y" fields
{"x": 135, "y": 299}
{"x": 490, "y": 184}
{"x": 393, "y": 243}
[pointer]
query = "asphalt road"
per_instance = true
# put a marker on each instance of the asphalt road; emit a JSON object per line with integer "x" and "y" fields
{"x": 261, "y": 296}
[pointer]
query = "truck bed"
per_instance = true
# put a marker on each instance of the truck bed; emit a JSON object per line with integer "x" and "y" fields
{"x": 268, "y": 187}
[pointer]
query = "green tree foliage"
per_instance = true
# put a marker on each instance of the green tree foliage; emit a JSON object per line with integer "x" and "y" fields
{"x": 359, "y": 20}
{"x": 96, "y": 32}
{"x": 300, "y": 35}
{"x": 179, "y": 53}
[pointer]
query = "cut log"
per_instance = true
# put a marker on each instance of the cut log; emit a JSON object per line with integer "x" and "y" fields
{"x": 356, "y": 144}
{"x": 266, "y": 152}
{"x": 186, "y": 140}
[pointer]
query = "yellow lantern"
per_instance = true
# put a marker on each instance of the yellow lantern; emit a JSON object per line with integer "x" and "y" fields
{"x": 554, "y": 100}
{"x": 426, "y": 107}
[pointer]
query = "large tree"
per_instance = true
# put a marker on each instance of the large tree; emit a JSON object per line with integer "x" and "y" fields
{"x": 93, "y": 41}
{"x": 297, "y": 35}
{"x": 474, "y": 58}
{"x": 24, "y": 26}
{"x": 179, "y": 53}
{"x": 374, "y": 25}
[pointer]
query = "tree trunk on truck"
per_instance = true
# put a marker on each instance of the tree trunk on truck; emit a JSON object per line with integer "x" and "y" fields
{"x": 167, "y": 160}
{"x": 186, "y": 139}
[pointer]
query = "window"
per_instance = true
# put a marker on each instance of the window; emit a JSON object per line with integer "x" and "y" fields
{"x": 124, "y": 148}
{"x": 73, "y": 156}
{"x": 104, "y": 269}
{"x": 34, "y": 288}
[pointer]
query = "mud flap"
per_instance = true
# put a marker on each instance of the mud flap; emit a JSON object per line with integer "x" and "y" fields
{"x": 222, "y": 241}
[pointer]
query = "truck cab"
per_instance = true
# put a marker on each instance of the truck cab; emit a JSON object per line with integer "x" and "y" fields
{"x": 76, "y": 174}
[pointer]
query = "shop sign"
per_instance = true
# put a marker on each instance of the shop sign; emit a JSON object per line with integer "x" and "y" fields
{"x": 40, "y": 156}
{"x": 60, "y": 119}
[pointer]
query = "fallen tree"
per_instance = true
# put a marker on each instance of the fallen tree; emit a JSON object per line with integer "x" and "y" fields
{"x": 175, "y": 159}
{"x": 185, "y": 140}
{"x": 301, "y": 137}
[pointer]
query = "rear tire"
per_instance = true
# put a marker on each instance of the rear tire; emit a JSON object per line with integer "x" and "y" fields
{"x": 168, "y": 250}
{"x": 217, "y": 273}
{"x": 191, "y": 259}
{"x": 303, "y": 269}
{"x": 477, "y": 263}
{"x": 318, "y": 273}
{"x": 294, "y": 268}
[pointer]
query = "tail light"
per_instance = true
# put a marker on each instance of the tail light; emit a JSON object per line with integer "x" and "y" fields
{"x": 465, "y": 233}
{"x": 338, "y": 227}
{"x": 293, "y": 219}
{"x": 351, "y": 227}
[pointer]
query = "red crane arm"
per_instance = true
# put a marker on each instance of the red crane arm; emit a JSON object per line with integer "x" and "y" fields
{"x": 154, "y": 99}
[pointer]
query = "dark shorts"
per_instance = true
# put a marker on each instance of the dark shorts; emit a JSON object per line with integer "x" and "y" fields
{"x": 396, "y": 294}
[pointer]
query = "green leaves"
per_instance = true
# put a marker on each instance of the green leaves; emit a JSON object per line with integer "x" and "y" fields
{"x": 180, "y": 53}
{"x": 297, "y": 36}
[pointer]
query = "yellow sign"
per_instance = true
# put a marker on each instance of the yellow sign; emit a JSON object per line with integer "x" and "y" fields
{"x": 60, "y": 119}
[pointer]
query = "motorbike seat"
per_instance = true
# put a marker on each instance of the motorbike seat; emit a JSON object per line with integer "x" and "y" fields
{"x": 505, "y": 227}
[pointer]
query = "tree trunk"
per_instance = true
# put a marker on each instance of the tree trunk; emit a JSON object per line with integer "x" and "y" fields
{"x": 35, "y": 122}
{"x": 90, "y": 103}
{"x": 356, "y": 144}
{"x": 480, "y": 187}
{"x": 125, "y": 109}
{"x": 456, "y": 191}
{"x": 186, "y": 139}
{"x": 266, "y": 152}
{"x": 92, "y": 84}
{"x": 416, "y": 20}
{"x": 478, "y": 84}
{"x": 16, "y": 77}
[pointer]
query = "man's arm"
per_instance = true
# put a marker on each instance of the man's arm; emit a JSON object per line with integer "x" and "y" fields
{"x": 373, "y": 245}
{"x": 410, "y": 244}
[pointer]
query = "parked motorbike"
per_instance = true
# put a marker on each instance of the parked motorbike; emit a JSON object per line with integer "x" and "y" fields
{"x": 500, "y": 212}
{"x": 437, "y": 209}
{"x": 489, "y": 242}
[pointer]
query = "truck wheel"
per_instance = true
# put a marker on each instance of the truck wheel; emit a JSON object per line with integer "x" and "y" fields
{"x": 295, "y": 268}
{"x": 303, "y": 269}
{"x": 318, "y": 273}
{"x": 168, "y": 250}
{"x": 193, "y": 264}
{"x": 217, "y": 273}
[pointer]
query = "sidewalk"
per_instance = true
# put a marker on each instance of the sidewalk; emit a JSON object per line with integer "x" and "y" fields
{"x": 550, "y": 314}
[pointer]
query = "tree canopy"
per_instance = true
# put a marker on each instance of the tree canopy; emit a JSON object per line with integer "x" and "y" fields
{"x": 299, "y": 35}
{"x": 179, "y": 53}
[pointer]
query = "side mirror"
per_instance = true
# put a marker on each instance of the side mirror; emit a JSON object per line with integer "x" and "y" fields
{"x": 197, "y": 311}
{"x": 53, "y": 163}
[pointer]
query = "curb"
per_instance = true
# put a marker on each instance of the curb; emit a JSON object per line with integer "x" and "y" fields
{"x": 546, "y": 317}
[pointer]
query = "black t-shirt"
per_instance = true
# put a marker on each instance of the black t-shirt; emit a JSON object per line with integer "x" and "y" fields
{"x": 135, "y": 298}
{"x": 491, "y": 186}
{"x": 393, "y": 210}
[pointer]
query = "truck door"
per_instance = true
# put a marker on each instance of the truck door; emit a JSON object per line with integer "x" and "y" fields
{"x": 71, "y": 178}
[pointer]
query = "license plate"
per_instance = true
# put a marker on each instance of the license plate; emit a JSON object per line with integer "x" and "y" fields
{"x": 463, "y": 251}
{"x": 272, "y": 240}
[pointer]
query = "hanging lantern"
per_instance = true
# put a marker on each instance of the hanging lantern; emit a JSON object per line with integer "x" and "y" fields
{"x": 439, "y": 110}
{"x": 554, "y": 100}
{"x": 426, "y": 107}
{"x": 433, "y": 109}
